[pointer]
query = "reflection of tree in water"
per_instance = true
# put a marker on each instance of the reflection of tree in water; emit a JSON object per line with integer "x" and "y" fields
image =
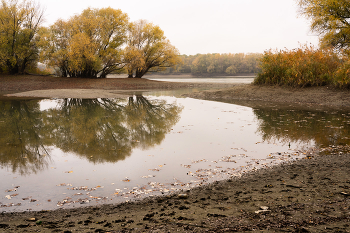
{"x": 102, "y": 130}
{"x": 324, "y": 128}
{"x": 22, "y": 147}
{"x": 148, "y": 122}
{"x": 107, "y": 130}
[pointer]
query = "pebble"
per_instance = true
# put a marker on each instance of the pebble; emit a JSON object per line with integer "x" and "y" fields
{"x": 262, "y": 209}
{"x": 183, "y": 196}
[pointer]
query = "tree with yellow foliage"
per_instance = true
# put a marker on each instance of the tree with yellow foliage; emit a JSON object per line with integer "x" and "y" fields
{"x": 87, "y": 45}
{"x": 329, "y": 18}
{"x": 148, "y": 50}
{"x": 19, "y": 24}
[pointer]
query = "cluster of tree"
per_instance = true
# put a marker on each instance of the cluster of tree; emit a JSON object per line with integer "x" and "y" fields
{"x": 217, "y": 64}
{"x": 328, "y": 65}
{"x": 100, "y": 130}
{"x": 19, "y": 26}
{"x": 93, "y": 44}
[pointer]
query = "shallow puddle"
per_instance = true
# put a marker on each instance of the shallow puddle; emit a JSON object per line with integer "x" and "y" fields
{"x": 65, "y": 153}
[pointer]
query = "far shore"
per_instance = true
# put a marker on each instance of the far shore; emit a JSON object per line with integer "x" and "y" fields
{"x": 54, "y": 87}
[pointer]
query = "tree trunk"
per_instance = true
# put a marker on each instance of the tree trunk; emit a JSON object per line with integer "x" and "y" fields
{"x": 130, "y": 73}
{"x": 139, "y": 74}
{"x": 12, "y": 69}
{"x": 23, "y": 66}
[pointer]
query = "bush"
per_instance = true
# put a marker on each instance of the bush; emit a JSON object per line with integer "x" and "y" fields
{"x": 342, "y": 76}
{"x": 302, "y": 67}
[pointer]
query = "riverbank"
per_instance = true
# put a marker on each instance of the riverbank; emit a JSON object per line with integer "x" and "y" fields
{"x": 53, "y": 87}
{"x": 308, "y": 195}
{"x": 312, "y": 96}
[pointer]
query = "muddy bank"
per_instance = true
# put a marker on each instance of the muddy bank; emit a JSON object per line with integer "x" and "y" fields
{"x": 47, "y": 86}
{"x": 309, "y": 195}
{"x": 53, "y": 87}
{"x": 314, "y": 96}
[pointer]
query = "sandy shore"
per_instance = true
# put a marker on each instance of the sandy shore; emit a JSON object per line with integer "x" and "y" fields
{"x": 309, "y": 195}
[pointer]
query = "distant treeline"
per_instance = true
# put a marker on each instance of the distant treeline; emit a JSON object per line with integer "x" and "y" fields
{"x": 217, "y": 64}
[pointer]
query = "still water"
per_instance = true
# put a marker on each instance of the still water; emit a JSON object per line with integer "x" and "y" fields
{"x": 228, "y": 80}
{"x": 62, "y": 153}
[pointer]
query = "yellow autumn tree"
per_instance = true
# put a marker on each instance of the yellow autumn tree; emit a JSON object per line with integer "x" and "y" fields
{"x": 133, "y": 58}
{"x": 329, "y": 18}
{"x": 54, "y": 43}
{"x": 19, "y": 25}
{"x": 148, "y": 50}
{"x": 87, "y": 45}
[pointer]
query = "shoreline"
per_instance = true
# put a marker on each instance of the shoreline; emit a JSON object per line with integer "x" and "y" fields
{"x": 312, "y": 96}
{"x": 12, "y": 85}
{"x": 308, "y": 195}
{"x": 53, "y": 87}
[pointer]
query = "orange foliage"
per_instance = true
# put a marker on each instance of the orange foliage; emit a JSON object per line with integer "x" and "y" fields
{"x": 305, "y": 66}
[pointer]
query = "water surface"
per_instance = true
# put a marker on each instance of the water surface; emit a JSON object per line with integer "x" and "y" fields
{"x": 228, "y": 80}
{"x": 64, "y": 153}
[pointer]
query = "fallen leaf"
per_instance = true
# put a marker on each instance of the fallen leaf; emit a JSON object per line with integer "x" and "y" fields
{"x": 11, "y": 190}
{"x": 155, "y": 170}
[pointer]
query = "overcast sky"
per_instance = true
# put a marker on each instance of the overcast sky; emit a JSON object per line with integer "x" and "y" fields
{"x": 208, "y": 26}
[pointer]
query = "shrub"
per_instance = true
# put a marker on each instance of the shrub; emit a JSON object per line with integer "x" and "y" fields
{"x": 342, "y": 75}
{"x": 305, "y": 66}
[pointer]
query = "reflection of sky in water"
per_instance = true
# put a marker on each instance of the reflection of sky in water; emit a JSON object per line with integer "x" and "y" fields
{"x": 210, "y": 141}
{"x": 243, "y": 79}
{"x": 47, "y": 104}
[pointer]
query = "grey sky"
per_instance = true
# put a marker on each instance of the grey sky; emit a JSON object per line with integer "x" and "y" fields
{"x": 208, "y": 26}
